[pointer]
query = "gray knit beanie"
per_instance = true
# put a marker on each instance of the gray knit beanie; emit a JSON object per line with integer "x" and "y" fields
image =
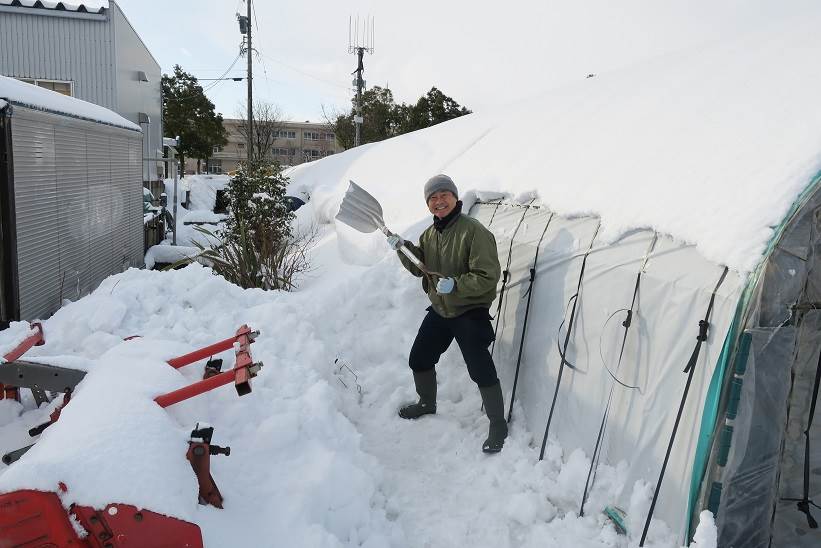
{"x": 438, "y": 183}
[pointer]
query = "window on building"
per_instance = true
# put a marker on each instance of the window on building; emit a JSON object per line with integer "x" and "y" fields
{"x": 330, "y": 136}
{"x": 283, "y": 134}
{"x": 214, "y": 167}
{"x": 217, "y": 149}
{"x": 60, "y": 86}
{"x": 311, "y": 135}
{"x": 311, "y": 154}
{"x": 279, "y": 151}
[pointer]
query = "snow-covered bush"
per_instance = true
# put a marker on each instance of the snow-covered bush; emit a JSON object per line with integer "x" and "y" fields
{"x": 257, "y": 247}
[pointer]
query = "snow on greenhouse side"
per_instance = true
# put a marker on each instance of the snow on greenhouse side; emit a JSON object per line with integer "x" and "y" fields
{"x": 35, "y": 97}
{"x": 711, "y": 146}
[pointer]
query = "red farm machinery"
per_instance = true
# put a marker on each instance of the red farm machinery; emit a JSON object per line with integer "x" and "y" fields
{"x": 37, "y": 519}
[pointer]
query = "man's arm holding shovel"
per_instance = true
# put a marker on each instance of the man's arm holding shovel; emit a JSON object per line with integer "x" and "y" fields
{"x": 396, "y": 242}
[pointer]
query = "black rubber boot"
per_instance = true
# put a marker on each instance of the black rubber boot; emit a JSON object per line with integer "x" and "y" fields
{"x": 426, "y": 388}
{"x": 495, "y": 409}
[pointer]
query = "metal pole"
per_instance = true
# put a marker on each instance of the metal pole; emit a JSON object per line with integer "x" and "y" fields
{"x": 176, "y": 177}
{"x": 358, "y": 118}
{"x": 250, "y": 93}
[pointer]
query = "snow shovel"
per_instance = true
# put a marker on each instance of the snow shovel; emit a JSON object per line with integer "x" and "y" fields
{"x": 359, "y": 210}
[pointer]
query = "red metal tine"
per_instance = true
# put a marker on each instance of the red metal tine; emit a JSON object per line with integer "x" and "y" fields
{"x": 208, "y": 351}
{"x": 199, "y": 387}
{"x": 241, "y": 374}
{"x": 35, "y": 339}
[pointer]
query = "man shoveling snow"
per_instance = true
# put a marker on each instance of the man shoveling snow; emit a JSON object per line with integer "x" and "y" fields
{"x": 464, "y": 252}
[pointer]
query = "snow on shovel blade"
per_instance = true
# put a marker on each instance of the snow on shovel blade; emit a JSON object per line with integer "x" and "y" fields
{"x": 360, "y": 210}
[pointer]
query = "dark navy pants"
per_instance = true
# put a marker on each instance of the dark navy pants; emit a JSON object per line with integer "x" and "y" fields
{"x": 473, "y": 332}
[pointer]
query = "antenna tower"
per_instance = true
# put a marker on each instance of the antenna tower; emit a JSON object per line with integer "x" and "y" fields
{"x": 360, "y": 40}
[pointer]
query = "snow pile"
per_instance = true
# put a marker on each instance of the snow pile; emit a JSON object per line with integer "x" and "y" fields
{"x": 112, "y": 431}
{"x": 706, "y": 534}
{"x": 203, "y": 190}
{"x": 35, "y": 97}
{"x": 203, "y": 216}
{"x": 711, "y": 146}
{"x": 296, "y": 471}
{"x": 13, "y": 336}
{"x": 313, "y": 463}
{"x": 169, "y": 254}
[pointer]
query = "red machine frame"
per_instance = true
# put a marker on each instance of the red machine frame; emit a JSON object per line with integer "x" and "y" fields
{"x": 37, "y": 518}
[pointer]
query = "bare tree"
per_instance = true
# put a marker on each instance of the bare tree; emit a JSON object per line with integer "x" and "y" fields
{"x": 267, "y": 125}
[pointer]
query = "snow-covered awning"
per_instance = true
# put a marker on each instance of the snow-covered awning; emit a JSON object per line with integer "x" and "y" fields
{"x": 31, "y": 96}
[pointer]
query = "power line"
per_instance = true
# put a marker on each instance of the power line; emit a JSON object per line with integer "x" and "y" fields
{"x": 218, "y": 80}
{"x": 295, "y": 69}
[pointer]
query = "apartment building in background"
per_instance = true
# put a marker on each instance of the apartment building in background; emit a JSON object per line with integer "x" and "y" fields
{"x": 90, "y": 53}
{"x": 295, "y": 143}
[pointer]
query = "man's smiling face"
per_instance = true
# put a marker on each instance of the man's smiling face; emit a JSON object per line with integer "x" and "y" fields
{"x": 441, "y": 203}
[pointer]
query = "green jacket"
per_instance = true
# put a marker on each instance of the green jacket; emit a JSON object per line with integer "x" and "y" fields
{"x": 466, "y": 251}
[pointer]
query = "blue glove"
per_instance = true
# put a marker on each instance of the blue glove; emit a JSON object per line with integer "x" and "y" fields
{"x": 395, "y": 241}
{"x": 445, "y": 286}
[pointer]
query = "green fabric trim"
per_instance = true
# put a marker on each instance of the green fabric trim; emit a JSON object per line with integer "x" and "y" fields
{"x": 710, "y": 412}
{"x": 709, "y": 416}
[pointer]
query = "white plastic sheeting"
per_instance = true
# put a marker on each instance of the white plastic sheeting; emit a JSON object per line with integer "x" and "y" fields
{"x": 767, "y": 451}
{"x": 673, "y": 297}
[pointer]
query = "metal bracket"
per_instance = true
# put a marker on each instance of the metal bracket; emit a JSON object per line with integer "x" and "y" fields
{"x": 40, "y": 376}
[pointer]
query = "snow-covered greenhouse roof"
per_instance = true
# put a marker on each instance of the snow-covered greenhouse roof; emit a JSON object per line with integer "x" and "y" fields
{"x": 711, "y": 146}
{"x": 31, "y": 96}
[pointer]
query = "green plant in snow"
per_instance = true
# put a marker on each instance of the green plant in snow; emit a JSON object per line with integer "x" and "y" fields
{"x": 258, "y": 246}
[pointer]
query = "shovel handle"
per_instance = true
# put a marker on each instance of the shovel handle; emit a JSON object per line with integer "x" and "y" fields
{"x": 419, "y": 264}
{"x": 413, "y": 258}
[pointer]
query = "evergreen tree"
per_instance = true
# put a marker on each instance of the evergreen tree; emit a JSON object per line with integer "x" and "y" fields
{"x": 189, "y": 114}
{"x": 380, "y": 111}
{"x": 385, "y": 119}
{"x": 257, "y": 205}
{"x": 433, "y": 108}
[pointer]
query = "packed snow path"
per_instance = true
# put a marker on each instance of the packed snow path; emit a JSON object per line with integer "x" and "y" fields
{"x": 313, "y": 463}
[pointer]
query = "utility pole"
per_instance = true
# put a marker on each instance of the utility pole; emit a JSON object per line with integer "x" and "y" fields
{"x": 359, "y": 43}
{"x": 245, "y": 29}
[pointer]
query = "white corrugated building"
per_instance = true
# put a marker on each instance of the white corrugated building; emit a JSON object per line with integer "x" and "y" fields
{"x": 70, "y": 199}
{"x": 90, "y": 51}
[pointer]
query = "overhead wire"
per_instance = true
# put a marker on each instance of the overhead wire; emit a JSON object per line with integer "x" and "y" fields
{"x": 259, "y": 54}
{"x": 220, "y": 78}
{"x": 309, "y": 75}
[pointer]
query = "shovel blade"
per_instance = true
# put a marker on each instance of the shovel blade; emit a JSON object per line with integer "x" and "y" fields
{"x": 360, "y": 210}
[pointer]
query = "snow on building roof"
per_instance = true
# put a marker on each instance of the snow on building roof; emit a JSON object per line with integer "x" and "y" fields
{"x": 711, "y": 146}
{"x": 93, "y": 6}
{"x": 31, "y": 96}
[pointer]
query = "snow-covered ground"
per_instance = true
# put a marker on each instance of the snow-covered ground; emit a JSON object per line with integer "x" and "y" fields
{"x": 313, "y": 463}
